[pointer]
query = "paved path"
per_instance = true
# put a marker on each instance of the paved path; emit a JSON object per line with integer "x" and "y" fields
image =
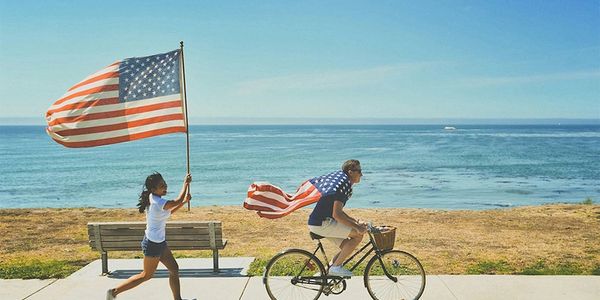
{"x": 198, "y": 282}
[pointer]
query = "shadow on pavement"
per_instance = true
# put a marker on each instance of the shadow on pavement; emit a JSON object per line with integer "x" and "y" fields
{"x": 183, "y": 273}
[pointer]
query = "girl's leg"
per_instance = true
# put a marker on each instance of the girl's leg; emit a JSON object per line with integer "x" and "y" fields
{"x": 150, "y": 264}
{"x": 169, "y": 261}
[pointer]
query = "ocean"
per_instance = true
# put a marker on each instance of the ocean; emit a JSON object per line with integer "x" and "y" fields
{"x": 417, "y": 166}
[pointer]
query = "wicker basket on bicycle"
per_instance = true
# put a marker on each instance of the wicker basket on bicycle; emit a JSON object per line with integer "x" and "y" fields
{"x": 385, "y": 237}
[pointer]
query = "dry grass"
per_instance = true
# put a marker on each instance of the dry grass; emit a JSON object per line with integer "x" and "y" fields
{"x": 550, "y": 237}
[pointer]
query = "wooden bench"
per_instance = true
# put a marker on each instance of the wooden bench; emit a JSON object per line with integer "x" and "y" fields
{"x": 184, "y": 235}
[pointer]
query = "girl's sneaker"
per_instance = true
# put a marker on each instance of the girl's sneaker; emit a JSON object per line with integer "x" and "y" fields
{"x": 109, "y": 295}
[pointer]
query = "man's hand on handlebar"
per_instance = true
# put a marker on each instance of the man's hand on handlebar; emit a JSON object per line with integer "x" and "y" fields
{"x": 362, "y": 226}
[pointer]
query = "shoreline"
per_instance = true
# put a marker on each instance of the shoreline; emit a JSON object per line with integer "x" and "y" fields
{"x": 486, "y": 207}
{"x": 541, "y": 239}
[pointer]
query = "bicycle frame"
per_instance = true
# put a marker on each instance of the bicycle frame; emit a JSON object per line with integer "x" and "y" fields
{"x": 366, "y": 255}
{"x": 322, "y": 282}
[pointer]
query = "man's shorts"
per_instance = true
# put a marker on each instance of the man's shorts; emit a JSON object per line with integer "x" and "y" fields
{"x": 331, "y": 229}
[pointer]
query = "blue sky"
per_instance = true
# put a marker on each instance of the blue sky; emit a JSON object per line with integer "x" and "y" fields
{"x": 319, "y": 59}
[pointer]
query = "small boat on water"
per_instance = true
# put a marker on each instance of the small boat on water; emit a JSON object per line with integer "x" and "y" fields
{"x": 449, "y": 128}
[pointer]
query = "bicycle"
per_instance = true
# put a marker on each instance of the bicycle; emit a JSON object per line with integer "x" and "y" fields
{"x": 389, "y": 274}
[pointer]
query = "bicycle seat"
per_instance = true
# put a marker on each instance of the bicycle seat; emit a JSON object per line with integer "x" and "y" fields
{"x": 315, "y": 236}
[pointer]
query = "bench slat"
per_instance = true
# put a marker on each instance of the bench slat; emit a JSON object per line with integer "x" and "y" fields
{"x": 177, "y": 223}
{"x": 135, "y": 245}
{"x": 168, "y": 227}
{"x": 141, "y": 234}
{"x": 114, "y": 225}
{"x": 172, "y": 237}
{"x": 128, "y": 231}
{"x": 173, "y": 246}
{"x": 178, "y": 248}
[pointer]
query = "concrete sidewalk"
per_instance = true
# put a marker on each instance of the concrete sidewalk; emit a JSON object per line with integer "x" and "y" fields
{"x": 198, "y": 282}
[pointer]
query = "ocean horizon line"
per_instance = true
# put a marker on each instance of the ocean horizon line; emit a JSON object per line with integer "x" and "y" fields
{"x": 32, "y": 121}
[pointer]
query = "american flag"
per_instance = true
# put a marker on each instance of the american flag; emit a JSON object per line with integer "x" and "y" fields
{"x": 131, "y": 99}
{"x": 271, "y": 202}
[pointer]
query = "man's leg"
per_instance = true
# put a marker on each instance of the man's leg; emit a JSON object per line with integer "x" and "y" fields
{"x": 347, "y": 247}
{"x": 341, "y": 244}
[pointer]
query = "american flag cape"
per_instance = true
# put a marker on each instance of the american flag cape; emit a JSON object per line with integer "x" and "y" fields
{"x": 271, "y": 202}
{"x": 131, "y": 99}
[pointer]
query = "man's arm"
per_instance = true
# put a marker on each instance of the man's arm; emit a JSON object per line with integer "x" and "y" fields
{"x": 340, "y": 216}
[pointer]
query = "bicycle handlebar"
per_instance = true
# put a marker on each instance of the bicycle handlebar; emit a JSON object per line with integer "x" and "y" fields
{"x": 372, "y": 229}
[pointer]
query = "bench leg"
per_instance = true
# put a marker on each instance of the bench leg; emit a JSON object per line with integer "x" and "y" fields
{"x": 216, "y": 261}
{"x": 104, "y": 263}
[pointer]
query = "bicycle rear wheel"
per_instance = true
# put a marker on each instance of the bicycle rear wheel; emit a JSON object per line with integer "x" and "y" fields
{"x": 405, "y": 278}
{"x": 294, "y": 274}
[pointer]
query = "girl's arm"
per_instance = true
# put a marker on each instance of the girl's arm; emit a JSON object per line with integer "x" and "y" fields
{"x": 187, "y": 199}
{"x": 171, "y": 204}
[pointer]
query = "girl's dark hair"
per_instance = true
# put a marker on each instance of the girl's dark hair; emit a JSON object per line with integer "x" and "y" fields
{"x": 152, "y": 182}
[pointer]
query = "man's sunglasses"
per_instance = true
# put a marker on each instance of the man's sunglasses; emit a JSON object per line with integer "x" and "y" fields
{"x": 358, "y": 170}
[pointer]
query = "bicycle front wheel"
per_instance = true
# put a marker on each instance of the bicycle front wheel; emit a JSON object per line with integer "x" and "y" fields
{"x": 294, "y": 274}
{"x": 395, "y": 275}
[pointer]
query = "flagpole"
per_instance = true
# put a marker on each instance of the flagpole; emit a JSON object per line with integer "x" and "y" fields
{"x": 187, "y": 125}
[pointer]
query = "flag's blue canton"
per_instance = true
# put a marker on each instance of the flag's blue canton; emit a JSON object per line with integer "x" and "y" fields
{"x": 333, "y": 183}
{"x": 149, "y": 77}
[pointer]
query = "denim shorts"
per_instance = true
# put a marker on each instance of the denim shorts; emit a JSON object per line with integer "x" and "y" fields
{"x": 153, "y": 249}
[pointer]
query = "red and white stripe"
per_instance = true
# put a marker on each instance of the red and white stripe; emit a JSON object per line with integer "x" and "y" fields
{"x": 272, "y": 202}
{"x": 90, "y": 113}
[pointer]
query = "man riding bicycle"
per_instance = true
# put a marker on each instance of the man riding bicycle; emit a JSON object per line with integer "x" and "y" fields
{"x": 388, "y": 273}
{"x": 328, "y": 218}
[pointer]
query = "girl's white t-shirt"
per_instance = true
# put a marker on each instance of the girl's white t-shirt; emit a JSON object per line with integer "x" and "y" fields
{"x": 156, "y": 219}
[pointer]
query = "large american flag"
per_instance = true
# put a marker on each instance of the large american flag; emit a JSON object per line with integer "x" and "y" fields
{"x": 271, "y": 202}
{"x": 131, "y": 99}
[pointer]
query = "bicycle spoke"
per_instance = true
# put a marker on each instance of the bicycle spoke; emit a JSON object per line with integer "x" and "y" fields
{"x": 290, "y": 275}
{"x": 406, "y": 269}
